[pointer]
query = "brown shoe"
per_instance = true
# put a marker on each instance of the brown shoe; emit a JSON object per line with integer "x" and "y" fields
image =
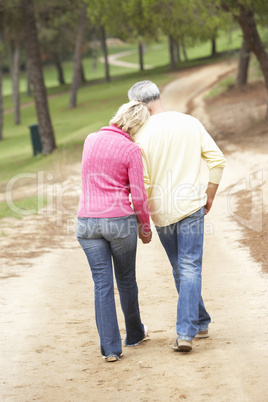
{"x": 202, "y": 334}
{"x": 182, "y": 345}
{"x": 111, "y": 359}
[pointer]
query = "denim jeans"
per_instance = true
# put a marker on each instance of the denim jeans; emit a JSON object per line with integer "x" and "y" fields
{"x": 183, "y": 242}
{"x": 104, "y": 240}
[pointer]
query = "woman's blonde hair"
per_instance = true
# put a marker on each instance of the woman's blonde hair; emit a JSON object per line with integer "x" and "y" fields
{"x": 130, "y": 117}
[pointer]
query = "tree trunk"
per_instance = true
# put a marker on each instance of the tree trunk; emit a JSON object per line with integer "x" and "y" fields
{"x": 242, "y": 74}
{"x": 1, "y": 75}
{"x": 253, "y": 41}
{"x": 213, "y": 47}
{"x": 177, "y": 51}
{"x": 40, "y": 97}
{"x": 105, "y": 52}
{"x": 230, "y": 34}
{"x": 94, "y": 52}
{"x": 28, "y": 79}
{"x": 82, "y": 73}
{"x": 10, "y": 57}
{"x": 141, "y": 56}
{"x": 16, "y": 82}
{"x": 184, "y": 50}
{"x": 14, "y": 70}
{"x": 77, "y": 57}
{"x": 59, "y": 68}
{"x": 171, "y": 53}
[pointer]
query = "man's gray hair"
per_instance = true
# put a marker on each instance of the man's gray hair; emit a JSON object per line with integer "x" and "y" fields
{"x": 144, "y": 91}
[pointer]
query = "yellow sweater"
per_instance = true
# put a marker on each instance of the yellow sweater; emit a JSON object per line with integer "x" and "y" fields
{"x": 172, "y": 146}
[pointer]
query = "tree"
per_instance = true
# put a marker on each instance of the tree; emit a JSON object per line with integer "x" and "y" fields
{"x": 242, "y": 73}
{"x": 214, "y": 45}
{"x": 177, "y": 20}
{"x": 105, "y": 52}
{"x": 172, "y": 52}
{"x": 58, "y": 65}
{"x": 50, "y": 35}
{"x": 14, "y": 68}
{"x": 137, "y": 25}
{"x": 77, "y": 56}
{"x": 244, "y": 12}
{"x": 13, "y": 28}
{"x": 209, "y": 20}
{"x": 106, "y": 16}
{"x": 184, "y": 48}
{"x": 56, "y": 26}
{"x": 37, "y": 79}
{"x": 28, "y": 80}
{"x": 94, "y": 46}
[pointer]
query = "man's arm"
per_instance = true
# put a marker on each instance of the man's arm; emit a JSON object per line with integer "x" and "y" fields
{"x": 215, "y": 161}
{"x": 211, "y": 192}
{"x": 212, "y": 155}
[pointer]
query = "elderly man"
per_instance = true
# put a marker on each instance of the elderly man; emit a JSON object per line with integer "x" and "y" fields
{"x": 173, "y": 145}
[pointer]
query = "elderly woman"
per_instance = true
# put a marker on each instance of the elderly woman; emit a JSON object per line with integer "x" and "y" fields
{"x": 107, "y": 226}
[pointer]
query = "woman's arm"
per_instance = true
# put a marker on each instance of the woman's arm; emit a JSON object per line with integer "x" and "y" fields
{"x": 145, "y": 237}
{"x": 138, "y": 193}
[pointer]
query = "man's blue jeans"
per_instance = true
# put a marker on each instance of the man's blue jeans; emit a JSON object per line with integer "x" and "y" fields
{"x": 183, "y": 242}
{"x": 102, "y": 240}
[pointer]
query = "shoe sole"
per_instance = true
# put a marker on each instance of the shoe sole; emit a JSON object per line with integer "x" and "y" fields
{"x": 111, "y": 359}
{"x": 201, "y": 336}
{"x": 182, "y": 347}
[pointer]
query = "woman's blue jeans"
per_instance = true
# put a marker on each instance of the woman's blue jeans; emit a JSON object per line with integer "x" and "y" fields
{"x": 183, "y": 242}
{"x": 104, "y": 240}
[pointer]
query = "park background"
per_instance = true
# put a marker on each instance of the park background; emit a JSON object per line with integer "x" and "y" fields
{"x": 67, "y": 66}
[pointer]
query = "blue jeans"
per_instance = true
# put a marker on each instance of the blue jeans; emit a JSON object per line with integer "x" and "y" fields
{"x": 183, "y": 242}
{"x": 102, "y": 240}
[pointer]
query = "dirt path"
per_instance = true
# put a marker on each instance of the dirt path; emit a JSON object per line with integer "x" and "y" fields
{"x": 49, "y": 344}
{"x": 113, "y": 60}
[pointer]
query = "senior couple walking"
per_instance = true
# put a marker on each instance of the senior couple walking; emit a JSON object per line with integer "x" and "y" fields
{"x": 154, "y": 155}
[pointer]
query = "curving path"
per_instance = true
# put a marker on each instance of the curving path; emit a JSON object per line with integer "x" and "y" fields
{"x": 114, "y": 60}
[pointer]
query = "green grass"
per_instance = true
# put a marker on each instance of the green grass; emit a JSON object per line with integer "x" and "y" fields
{"x": 158, "y": 54}
{"x": 20, "y": 208}
{"x": 222, "y": 86}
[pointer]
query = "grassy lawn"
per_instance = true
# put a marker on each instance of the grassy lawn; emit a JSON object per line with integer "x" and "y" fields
{"x": 158, "y": 54}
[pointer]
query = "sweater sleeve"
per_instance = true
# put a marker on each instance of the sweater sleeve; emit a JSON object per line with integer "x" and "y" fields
{"x": 212, "y": 155}
{"x": 138, "y": 193}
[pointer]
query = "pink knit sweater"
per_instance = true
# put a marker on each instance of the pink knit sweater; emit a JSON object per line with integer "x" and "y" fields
{"x": 111, "y": 169}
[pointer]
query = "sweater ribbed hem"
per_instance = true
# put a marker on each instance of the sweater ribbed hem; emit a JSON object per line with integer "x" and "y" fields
{"x": 105, "y": 212}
